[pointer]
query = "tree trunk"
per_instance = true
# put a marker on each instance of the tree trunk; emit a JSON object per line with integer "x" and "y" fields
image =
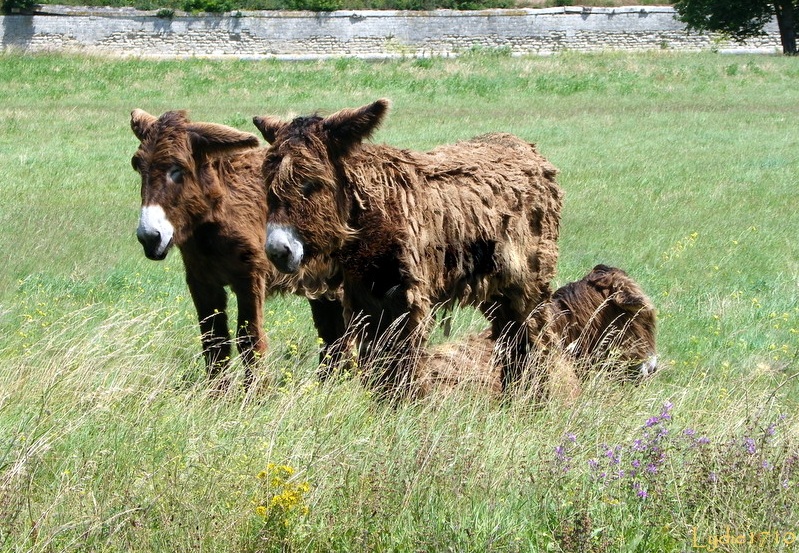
{"x": 786, "y": 21}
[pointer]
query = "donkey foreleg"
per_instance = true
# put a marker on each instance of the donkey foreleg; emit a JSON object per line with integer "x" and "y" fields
{"x": 522, "y": 332}
{"x": 210, "y": 301}
{"x": 250, "y": 336}
{"x": 404, "y": 340}
{"x": 328, "y": 318}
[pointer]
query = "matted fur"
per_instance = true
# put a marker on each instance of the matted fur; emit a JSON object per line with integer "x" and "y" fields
{"x": 606, "y": 319}
{"x": 475, "y": 223}
{"x": 473, "y": 364}
{"x": 217, "y": 207}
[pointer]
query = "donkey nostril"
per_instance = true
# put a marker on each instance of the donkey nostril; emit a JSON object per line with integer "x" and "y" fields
{"x": 148, "y": 237}
{"x": 279, "y": 252}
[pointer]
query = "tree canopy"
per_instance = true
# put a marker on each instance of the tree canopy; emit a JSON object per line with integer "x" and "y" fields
{"x": 741, "y": 19}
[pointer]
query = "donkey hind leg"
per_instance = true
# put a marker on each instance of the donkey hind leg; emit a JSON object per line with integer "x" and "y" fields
{"x": 211, "y": 305}
{"x": 251, "y": 339}
{"x": 328, "y": 318}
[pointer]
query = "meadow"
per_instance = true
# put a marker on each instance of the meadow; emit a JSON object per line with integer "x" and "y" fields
{"x": 679, "y": 168}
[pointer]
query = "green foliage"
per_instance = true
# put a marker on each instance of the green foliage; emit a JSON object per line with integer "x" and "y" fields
{"x": 741, "y": 19}
{"x": 315, "y": 5}
{"x": 18, "y": 6}
{"x": 218, "y": 6}
{"x": 209, "y": 6}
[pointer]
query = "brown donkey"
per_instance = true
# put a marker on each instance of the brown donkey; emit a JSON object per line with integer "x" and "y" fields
{"x": 202, "y": 190}
{"x": 471, "y": 223}
{"x": 605, "y": 318}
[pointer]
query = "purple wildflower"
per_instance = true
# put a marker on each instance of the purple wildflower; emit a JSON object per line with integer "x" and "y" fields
{"x": 652, "y": 421}
{"x": 749, "y": 444}
{"x": 704, "y": 440}
{"x": 613, "y": 455}
{"x": 593, "y": 463}
{"x": 690, "y": 432}
{"x": 636, "y": 463}
{"x": 771, "y": 429}
{"x": 713, "y": 477}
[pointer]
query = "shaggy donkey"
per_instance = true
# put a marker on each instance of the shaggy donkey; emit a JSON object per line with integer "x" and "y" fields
{"x": 604, "y": 319}
{"x": 202, "y": 190}
{"x": 473, "y": 223}
{"x": 607, "y": 318}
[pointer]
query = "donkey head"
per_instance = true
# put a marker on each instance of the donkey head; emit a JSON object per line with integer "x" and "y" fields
{"x": 303, "y": 173}
{"x": 629, "y": 309}
{"x": 178, "y": 187}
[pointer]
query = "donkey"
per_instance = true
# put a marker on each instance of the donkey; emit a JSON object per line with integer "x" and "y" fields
{"x": 202, "y": 191}
{"x": 606, "y": 318}
{"x": 473, "y": 223}
{"x": 602, "y": 320}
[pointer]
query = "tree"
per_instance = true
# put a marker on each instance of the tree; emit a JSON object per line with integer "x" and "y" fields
{"x": 17, "y": 6}
{"x": 741, "y": 19}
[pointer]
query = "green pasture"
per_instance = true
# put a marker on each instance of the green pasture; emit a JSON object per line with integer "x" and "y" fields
{"x": 681, "y": 169}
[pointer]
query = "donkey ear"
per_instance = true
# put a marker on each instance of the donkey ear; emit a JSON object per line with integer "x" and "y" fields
{"x": 349, "y": 127}
{"x": 141, "y": 122}
{"x": 622, "y": 290}
{"x": 269, "y": 127}
{"x": 212, "y": 138}
{"x": 629, "y": 296}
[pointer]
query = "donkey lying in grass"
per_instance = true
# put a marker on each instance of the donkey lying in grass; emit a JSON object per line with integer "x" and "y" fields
{"x": 606, "y": 319}
{"x": 475, "y": 222}
{"x": 202, "y": 190}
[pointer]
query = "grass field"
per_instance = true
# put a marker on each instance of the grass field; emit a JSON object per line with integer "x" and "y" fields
{"x": 679, "y": 168}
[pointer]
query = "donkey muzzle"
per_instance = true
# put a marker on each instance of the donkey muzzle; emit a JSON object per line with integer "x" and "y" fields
{"x": 155, "y": 232}
{"x": 283, "y": 248}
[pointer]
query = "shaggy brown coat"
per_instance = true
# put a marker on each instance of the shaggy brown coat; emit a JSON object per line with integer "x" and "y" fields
{"x": 475, "y": 223}
{"x": 473, "y": 363}
{"x": 606, "y": 318}
{"x": 203, "y": 182}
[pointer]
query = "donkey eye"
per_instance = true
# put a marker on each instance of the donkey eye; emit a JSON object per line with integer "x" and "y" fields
{"x": 176, "y": 175}
{"x": 308, "y": 187}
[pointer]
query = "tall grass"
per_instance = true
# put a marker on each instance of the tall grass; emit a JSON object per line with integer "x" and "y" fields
{"x": 679, "y": 168}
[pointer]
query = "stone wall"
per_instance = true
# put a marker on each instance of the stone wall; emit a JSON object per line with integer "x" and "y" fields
{"x": 367, "y": 34}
